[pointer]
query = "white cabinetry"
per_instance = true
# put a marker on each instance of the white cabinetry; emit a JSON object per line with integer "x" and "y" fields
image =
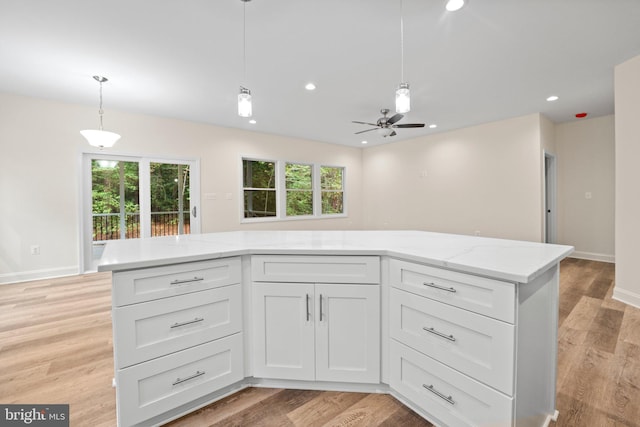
{"x": 317, "y": 331}
{"x": 177, "y": 337}
{"x": 465, "y": 349}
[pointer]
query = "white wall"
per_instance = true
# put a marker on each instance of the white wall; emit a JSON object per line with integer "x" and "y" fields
{"x": 627, "y": 216}
{"x": 586, "y": 164}
{"x": 484, "y": 178}
{"x": 40, "y": 152}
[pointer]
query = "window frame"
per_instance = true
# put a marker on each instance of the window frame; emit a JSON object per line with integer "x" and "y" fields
{"x": 281, "y": 191}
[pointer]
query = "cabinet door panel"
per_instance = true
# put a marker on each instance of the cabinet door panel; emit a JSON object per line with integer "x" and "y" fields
{"x": 283, "y": 331}
{"x": 348, "y": 333}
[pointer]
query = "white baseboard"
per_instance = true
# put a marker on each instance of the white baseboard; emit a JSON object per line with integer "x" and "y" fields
{"x": 627, "y": 297}
{"x": 592, "y": 256}
{"x": 25, "y": 276}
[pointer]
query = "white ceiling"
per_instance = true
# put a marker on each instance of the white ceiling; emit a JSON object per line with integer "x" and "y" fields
{"x": 491, "y": 60}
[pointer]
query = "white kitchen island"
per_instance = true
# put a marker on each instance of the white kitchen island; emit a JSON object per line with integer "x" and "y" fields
{"x": 461, "y": 329}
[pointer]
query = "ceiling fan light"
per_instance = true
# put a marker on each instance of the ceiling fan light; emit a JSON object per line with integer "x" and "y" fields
{"x": 244, "y": 102}
{"x": 453, "y": 5}
{"x": 385, "y": 132}
{"x": 100, "y": 138}
{"x": 403, "y": 98}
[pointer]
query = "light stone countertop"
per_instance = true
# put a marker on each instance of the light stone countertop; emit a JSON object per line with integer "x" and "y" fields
{"x": 510, "y": 260}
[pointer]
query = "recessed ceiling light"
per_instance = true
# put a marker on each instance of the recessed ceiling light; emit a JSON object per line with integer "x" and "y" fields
{"x": 310, "y": 86}
{"x": 453, "y": 5}
{"x": 433, "y": 126}
{"x": 364, "y": 142}
{"x": 253, "y": 122}
{"x": 552, "y": 98}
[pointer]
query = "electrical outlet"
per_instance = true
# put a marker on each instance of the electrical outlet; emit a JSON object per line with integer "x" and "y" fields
{"x": 477, "y": 232}
{"x": 35, "y": 250}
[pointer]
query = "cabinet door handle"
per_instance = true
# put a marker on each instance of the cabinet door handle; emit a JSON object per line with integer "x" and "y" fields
{"x": 321, "y": 307}
{"x": 190, "y": 377}
{"x": 448, "y": 399}
{"x": 440, "y": 334}
{"x": 442, "y": 288}
{"x": 308, "y": 313}
{"x": 183, "y": 281}
{"x": 188, "y": 322}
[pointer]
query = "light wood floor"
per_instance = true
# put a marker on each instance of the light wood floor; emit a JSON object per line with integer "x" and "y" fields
{"x": 56, "y": 347}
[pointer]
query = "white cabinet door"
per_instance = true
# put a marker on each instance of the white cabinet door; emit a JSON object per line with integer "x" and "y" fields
{"x": 283, "y": 327}
{"x": 348, "y": 333}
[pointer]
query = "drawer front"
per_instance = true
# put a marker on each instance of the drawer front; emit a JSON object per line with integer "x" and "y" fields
{"x": 478, "y": 346}
{"x": 490, "y": 297}
{"x": 152, "y": 388}
{"x": 314, "y": 269}
{"x": 148, "y": 330}
{"x": 451, "y": 397}
{"x": 148, "y": 284}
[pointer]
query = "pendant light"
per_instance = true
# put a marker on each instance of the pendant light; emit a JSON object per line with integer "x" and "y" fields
{"x": 100, "y": 138}
{"x": 244, "y": 97}
{"x": 403, "y": 95}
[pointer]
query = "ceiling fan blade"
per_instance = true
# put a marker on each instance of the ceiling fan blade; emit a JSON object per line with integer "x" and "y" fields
{"x": 364, "y": 123}
{"x": 363, "y": 131}
{"x": 410, "y": 125}
{"x": 395, "y": 118}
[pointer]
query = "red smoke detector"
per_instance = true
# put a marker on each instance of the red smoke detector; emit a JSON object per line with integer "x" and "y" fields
{"x": 581, "y": 115}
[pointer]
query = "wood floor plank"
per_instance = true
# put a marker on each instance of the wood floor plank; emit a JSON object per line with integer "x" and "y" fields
{"x": 323, "y": 408}
{"x": 372, "y": 410}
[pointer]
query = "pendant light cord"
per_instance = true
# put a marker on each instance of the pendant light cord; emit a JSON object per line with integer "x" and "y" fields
{"x": 100, "y": 110}
{"x": 244, "y": 41}
{"x": 401, "y": 43}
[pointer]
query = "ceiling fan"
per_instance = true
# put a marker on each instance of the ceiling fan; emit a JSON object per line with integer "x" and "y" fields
{"x": 386, "y": 126}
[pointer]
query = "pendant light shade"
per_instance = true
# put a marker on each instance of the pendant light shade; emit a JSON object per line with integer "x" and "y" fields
{"x": 244, "y": 102}
{"x": 403, "y": 98}
{"x": 100, "y": 138}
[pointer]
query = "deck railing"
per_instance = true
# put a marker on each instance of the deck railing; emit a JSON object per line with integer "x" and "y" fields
{"x": 107, "y": 226}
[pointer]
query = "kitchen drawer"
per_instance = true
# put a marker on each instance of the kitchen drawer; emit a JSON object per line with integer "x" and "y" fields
{"x": 490, "y": 297}
{"x": 148, "y": 284}
{"x": 453, "y": 398}
{"x": 314, "y": 269}
{"x": 155, "y": 328}
{"x": 478, "y": 346}
{"x": 152, "y": 388}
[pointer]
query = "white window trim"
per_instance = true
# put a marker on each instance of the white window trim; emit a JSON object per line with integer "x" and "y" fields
{"x": 281, "y": 192}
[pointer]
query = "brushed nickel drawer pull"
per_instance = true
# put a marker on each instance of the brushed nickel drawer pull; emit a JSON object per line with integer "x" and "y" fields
{"x": 321, "y": 307}
{"x": 181, "y": 380}
{"x": 440, "y": 334}
{"x": 440, "y": 395}
{"x": 188, "y": 322}
{"x": 183, "y": 281}
{"x": 308, "y": 313}
{"x": 442, "y": 288}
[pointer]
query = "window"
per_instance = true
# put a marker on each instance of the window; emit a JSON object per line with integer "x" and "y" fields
{"x": 259, "y": 186}
{"x": 279, "y": 190}
{"x": 332, "y": 194}
{"x": 298, "y": 181}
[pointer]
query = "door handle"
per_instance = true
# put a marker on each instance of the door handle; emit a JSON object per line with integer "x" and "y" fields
{"x": 194, "y": 212}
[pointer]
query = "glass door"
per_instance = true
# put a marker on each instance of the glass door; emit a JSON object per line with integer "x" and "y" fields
{"x": 133, "y": 197}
